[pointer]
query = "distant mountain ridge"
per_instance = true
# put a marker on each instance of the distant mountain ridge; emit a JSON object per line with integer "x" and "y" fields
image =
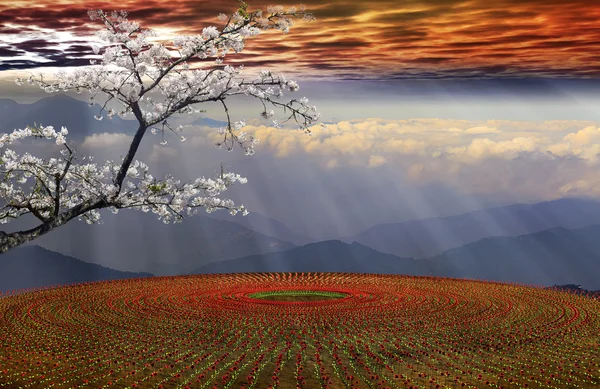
{"x": 551, "y": 257}
{"x": 428, "y": 237}
{"x": 326, "y": 256}
{"x": 61, "y": 110}
{"x": 208, "y": 122}
{"x": 265, "y": 225}
{"x": 554, "y": 256}
{"x": 76, "y": 115}
{"x": 548, "y": 258}
{"x": 34, "y": 266}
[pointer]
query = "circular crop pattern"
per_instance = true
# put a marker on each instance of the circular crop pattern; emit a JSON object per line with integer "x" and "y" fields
{"x": 289, "y": 330}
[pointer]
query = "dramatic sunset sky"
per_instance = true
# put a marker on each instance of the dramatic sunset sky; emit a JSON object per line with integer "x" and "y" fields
{"x": 377, "y": 39}
{"x": 437, "y": 106}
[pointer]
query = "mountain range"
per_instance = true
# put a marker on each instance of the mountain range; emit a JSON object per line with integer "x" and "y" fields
{"x": 326, "y": 256}
{"x": 34, "y": 266}
{"x": 203, "y": 240}
{"x": 555, "y": 256}
{"x": 265, "y": 225}
{"x": 58, "y": 111}
{"x": 428, "y": 237}
{"x": 208, "y": 122}
{"x": 76, "y": 115}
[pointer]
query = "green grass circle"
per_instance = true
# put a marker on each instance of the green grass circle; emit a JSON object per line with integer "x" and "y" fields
{"x": 297, "y": 295}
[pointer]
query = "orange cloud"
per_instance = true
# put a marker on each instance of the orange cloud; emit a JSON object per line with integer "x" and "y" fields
{"x": 350, "y": 40}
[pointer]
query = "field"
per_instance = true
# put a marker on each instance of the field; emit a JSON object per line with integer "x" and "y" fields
{"x": 289, "y": 330}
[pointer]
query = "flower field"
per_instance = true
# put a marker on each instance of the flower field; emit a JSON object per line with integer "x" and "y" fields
{"x": 289, "y": 330}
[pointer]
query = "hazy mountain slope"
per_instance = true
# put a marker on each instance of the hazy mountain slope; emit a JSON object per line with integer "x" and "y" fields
{"x": 326, "y": 256}
{"x": 61, "y": 110}
{"x": 551, "y": 257}
{"x": 265, "y": 225}
{"x": 137, "y": 241}
{"x": 428, "y": 237}
{"x": 208, "y": 122}
{"x": 555, "y": 256}
{"x": 34, "y": 266}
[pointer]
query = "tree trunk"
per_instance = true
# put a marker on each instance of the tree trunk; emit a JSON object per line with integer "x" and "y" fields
{"x": 133, "y": 147}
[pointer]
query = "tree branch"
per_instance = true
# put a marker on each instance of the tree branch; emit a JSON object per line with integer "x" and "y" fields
{"x": 14, "y": 239}
{"x": 135, "y": 144}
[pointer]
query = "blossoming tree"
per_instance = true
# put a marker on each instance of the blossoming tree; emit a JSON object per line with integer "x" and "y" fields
{"x": 57, "y": 190}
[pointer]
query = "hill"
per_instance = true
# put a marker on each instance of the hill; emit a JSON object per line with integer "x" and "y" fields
{"x": 138, "y": 241}
{"x": 552, "y": 257}
{"x": 61, "y": 110}
{"x": 35, "y": 266}
{"x": 326, "y": 256}
{"x": 265, "y": 225}
{"x": 428, "y": 237}
{"x": 208, "y": 122}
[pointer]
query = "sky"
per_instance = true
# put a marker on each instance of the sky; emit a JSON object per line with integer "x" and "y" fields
{"x": 435, "y": 107}
{"x": 356, "y": 39}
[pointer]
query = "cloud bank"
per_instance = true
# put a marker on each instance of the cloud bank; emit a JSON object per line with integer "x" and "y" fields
{"x": 547, "y": 158}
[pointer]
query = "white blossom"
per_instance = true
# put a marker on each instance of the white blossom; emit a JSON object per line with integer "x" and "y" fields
{"x": 127, "y": 68}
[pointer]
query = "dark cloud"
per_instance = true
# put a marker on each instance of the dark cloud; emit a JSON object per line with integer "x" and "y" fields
{"x": 10, "y": 30}
{"x": 465, "y": 44}
{"x": 497, "y": 55}
{"x": 34, "y": 44}
{"x": 395, "y": 32}
{"x": 27, "y": 64}
{"x": 334, "y": 10}
{"x": 340, "y": 43}
{"x": 10, "y": 52}
{"x": 503, "y": 14}
{"x": 492, "y": 30}
{"x": 56, "y": 18}
{"x": 321, "y": 66}
{"x": 18, "y": 64}
{"x": 429, "y": 60}
{"x": 453, "y": 51}
{"x": 147, "y": 13}
{"x": 79, "y": 49}
{"x": 410, "y": 17}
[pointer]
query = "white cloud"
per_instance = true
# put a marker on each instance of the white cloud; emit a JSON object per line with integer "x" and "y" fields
{"x": 356, "y": 141}
{"x": 376, "y": 160}
{"x": 161, "y": 153}
{"x": 332, "y": 163}
{"x": 198, "y": 141}
{"x": 481, "y": 148}
{"x": 584, "y": 144}
{"x": 415, "y": 171}
{"x": 583, "y": 187}
{"x": 106, "y": 140}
